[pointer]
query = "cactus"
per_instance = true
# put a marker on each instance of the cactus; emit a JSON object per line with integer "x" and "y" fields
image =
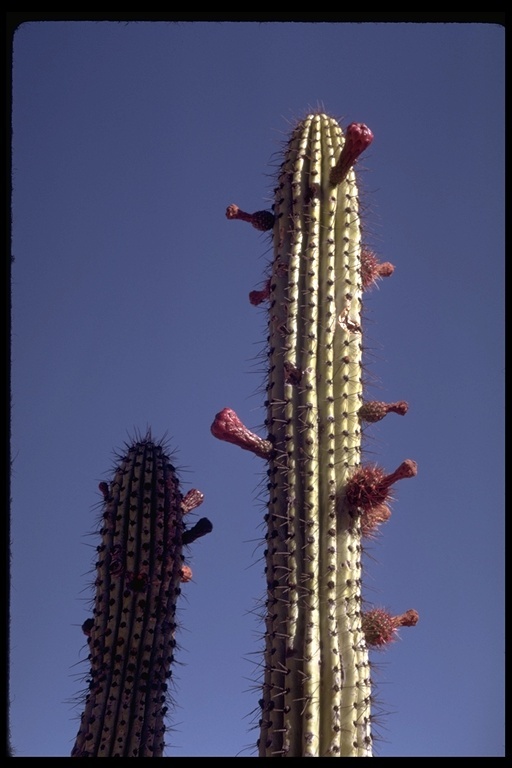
{"x": 316, "y": 698}
{"x": 131, "y": 635}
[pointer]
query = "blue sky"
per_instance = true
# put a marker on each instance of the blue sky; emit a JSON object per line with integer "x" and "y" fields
{"x": 130, "y": 309}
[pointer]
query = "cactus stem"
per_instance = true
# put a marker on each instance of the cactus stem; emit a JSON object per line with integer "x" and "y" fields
{"x": 357, "y": 138}
{"x": 316, "y": 693}
{"x": 227, "y": 426}
{"x": 262, "y": 220}
{"x": 374, "y": 410}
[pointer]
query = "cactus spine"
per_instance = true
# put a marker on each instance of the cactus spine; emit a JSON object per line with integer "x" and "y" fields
{"x": 316, "y": 687}
{"x": 131, "y": 636}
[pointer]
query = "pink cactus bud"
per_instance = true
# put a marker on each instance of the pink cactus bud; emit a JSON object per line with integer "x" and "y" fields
{"x": 191, "y": 500}
{"x": 357, "y": 138}
{"x": 227, "y": 426}
{"x": 258, "y": 297}
{"x": 185, "y": 574}
{"x": 370, "y": 486}
{"x": 374, "y": 410}
{"x": 103, "y": 487}
{"x": 407, "y": 468}
{"x": 408, "y": 619}
{"x": 372, "y": 269}
{"x": 262, "y": 220}
{"x": 380, "y": 627}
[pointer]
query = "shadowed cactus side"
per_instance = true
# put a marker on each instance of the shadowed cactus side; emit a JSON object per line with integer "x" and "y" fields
{"x": 131, "y": 635}
{"x": 316, "y": 698}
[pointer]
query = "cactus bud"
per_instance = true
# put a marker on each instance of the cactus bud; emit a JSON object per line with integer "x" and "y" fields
{"x": 372, "y": 270}
{"x": 374, "y": 410}
{"x": 370, "y": 486}
{"x": 258, "y": 297}
{"x": 191, "y": 500}
{"x": 227, "y": 426}
{"x": 262, "y": 220}
{"x": 380, "y": 627}
{"x": 357, "y": 139}
{"x": 185, "y": 574}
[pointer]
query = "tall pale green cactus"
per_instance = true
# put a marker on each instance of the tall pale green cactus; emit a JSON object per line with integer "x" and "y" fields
{"x": 316, "y": 698}
{"x": 131, "y": 635}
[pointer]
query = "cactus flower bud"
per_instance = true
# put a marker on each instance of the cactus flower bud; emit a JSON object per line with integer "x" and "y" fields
{"x": 227, "y": 426}
{"x": 380, "y": 627}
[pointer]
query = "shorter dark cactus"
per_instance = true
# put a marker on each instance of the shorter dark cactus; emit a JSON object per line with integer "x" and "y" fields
{"x": 131, "y": 636}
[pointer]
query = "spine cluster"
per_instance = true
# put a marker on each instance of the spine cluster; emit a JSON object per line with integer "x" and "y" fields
{"x": 322, "y": 500}
{"x": 131, "y": 635}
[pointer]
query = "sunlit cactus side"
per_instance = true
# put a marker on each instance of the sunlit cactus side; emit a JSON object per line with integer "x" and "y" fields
{"x": 316, "y": 698}
{"x": 131, "y": 634}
